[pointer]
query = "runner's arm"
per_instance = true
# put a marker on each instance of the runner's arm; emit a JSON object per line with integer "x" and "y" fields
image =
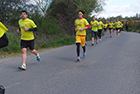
{"x": 32, "y": 29}
{"x": 18, "y": 30}
{"x": 76, "y": 28}
{"x": 96, "y": 25}
{"x": 87, "y": 27}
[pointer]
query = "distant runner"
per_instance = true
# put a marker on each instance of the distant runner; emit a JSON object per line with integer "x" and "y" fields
{"x": 81, "y": 24}
{"x": 105, "y": 27}
{"x": 94, "y": 29}
{"x": 110, "y": 25}
{"x": 114, "y": 27}
{"x": 118, "y": 26}
{"x": 121, "y": 27}
{"x": 126, "y": 26}
{"x": 100, "y": 28}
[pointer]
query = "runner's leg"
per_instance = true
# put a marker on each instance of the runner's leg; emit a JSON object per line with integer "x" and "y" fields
{"x": 78, "y": 49}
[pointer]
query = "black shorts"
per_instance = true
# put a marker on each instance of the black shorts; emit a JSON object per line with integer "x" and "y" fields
{"x": 105, "y": 29}
{"x": 117, "y": 28}
{"x": 3, "y": 41}
{"x": 110, "y": 28}
{"x": 26, "y": 44}
{"x": 100, "y": 30}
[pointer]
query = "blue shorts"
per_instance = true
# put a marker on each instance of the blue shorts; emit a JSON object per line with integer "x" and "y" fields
{"x": 94, "y": 33}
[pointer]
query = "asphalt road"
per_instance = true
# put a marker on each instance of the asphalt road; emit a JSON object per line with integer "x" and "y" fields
{"x": 111, "y": 67}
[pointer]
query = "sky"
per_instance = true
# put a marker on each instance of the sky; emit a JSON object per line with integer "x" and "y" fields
{"x": 125, "y": 8}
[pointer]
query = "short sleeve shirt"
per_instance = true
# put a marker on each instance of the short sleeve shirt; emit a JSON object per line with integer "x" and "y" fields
{"x": 81, "y": 23}
{"x": 105, "y": 25}
{"x": 118, "y": 24}
{"x": 111, "y": 25}
{"x": 26, "y": 35}
{"x": 100, "y": 25}
{"x": 94, "y": 28}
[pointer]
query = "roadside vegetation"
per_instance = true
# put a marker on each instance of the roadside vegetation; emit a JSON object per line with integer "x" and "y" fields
{"x": 54, "y": 19}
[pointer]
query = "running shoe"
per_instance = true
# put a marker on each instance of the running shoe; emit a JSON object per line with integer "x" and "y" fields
{"x": 38, "y": 57}
{"x": 22, "y": 67}
{"x": 78, "y": 58}
{"x": 84, "y": 54}
{"x": 92, "y": 44}
{"x": 96, "y": 42}
{"x": 99, "y": 39}
{"x": 119, "y": 33}
{"x": 110, "y": 36}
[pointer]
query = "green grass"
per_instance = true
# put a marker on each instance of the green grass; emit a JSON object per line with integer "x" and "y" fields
{"x": 43, "y": 42}
{"x": 56, "y": 43}
{"x": 134, "y": 29}
{"x": 13, "y": 44}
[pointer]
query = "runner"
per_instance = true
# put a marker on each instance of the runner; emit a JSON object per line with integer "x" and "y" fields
{"x": 105, "y": 27}
{"x": 118, "y": 25}
{"x": 94, "y": 29}
{"x": 3, "y": 37}
{"x": 126, "y": 26}
{"x": 26, "y": 27}
{"x": 121, "y": 27}
{"x": 81, "y": 24}
{"x": 114, "y": 27}
{"x": 110, "y": 27}
{"x": 100, "y": 28}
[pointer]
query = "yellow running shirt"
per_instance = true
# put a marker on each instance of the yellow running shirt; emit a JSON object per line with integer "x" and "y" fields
{"x": 94, "y": 28}
{"x": 3, "y": 29}
{"x": 121, "y": 25}
{"x": 105, "y": 25}
{"x": 111, "y": 25}
{"x": 100, "y": 25}
{"x": 114, "y": 26}
{"x": 26, "y": 35}
{"x": 81, "y": 23}
{"x": 118, "y": 24}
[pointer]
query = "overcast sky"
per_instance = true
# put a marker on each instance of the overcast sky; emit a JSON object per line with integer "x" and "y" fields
{"x": 120, "y": 7}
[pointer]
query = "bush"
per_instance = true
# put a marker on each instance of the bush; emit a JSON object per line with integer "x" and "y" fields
{"x": 14, "y": 43}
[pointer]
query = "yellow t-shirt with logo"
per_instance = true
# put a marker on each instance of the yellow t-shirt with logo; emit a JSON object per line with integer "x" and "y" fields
{"x": 100, "y": 25}
{"x": 105, "y": 25}
{"x": 3, "y": 29}
{"x": 94, "y": 28}
{"x": 111, "y": 25}
{"x": 118, "y": 24}
{"x": 26, "y": 35}
{"x": 81, "y": 23}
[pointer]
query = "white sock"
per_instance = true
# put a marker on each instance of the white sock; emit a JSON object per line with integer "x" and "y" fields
{"x": 24, "y": 64}
{"x": 37, "y": 54}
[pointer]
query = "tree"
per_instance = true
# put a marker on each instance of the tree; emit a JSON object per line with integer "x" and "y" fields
{"x": 10, "y": 9}
{"x": 43, "y": 5}
{"x": 66, "y": 10}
